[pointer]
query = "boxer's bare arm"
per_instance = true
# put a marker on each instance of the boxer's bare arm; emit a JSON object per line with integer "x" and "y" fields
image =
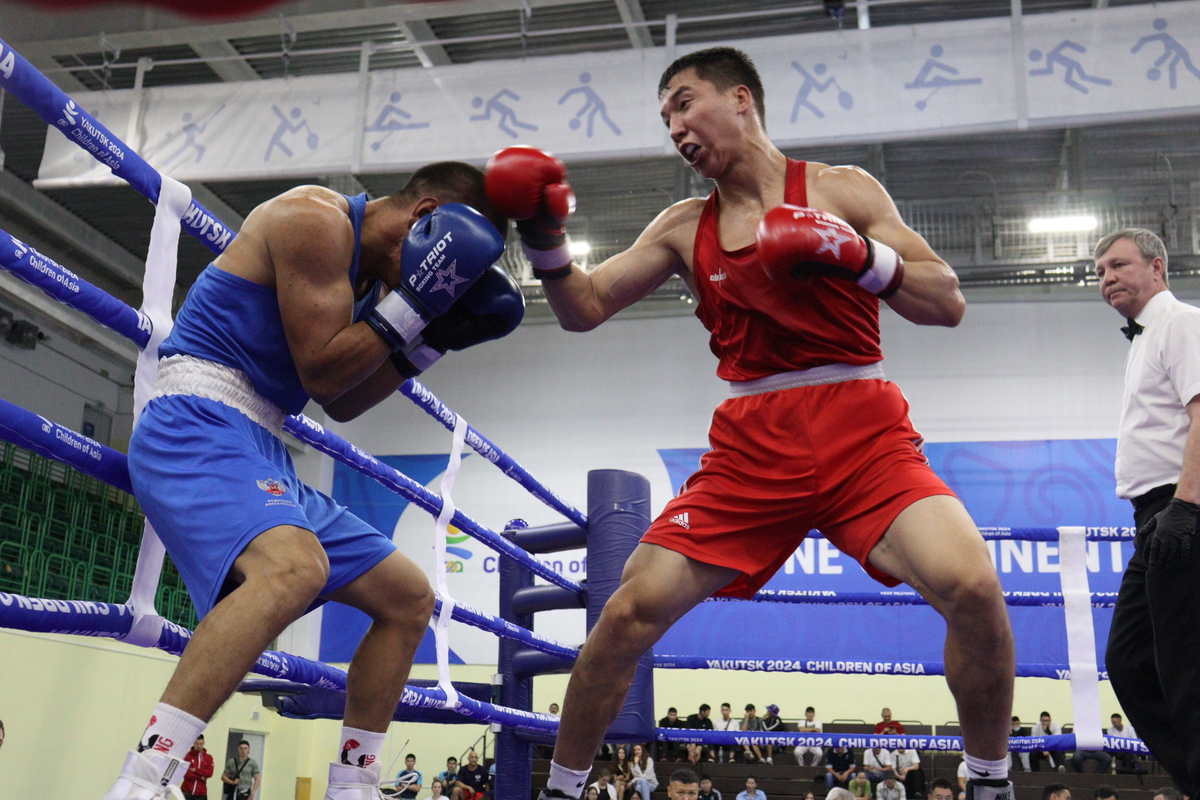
{"x": 929, "y": 294}
{"x": 583, "y": 300}
{"x": 311, "y": 243}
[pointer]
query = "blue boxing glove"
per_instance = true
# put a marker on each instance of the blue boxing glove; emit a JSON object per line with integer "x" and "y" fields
{"x": 491, "y": 309}
{"x": 443, "y": 254}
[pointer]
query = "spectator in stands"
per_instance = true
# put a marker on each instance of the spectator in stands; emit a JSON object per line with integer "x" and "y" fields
{"x": 809, "y": 725}
{"x": 408, "y": 781}
{"x": 877, "y": 762}
{"x": 940, "y": 789}
{"x": 890, "y": 789}
{"x": 809, "y": 796}
{"x": 604, "y": 787}
{"x": 242, "y": 773}
{"x": 700, "y": 719}
{"x": 751, "y": 792}
{"x": 620, "y": 770}
{"x": 592, "y": 793}
{"x": 1167, "y": 793}
{"x": 707, "y": 792}
{"x": 449, "y": 778}
{"x": 909, "y": 772}
{"x": 1014, "y": 756}
{"x": 1046, "y": 727}
{"x": 860, "y": 787}
{"x": 437, "y": 789}
{"x": 887, "y": 725}
{"x": 1103, "y": 760}
{"x": 554, "y": 710}
{"x": 200, "y": 769}
{"x": 962, "y": 779}
{"x": 726, "y": 723}
{"x": 1127, "y": 763}
{"x": 839, "y": 794}
{"x": 696, "y": 755}
{"x": 683, "y": 785}
{"x": 839, "y": 766}
{"x": 752, "y": 722}
{"x": 473, "y": 778}
{"x": 641, "y": 769}
{"x": 1105, "y": 792}
{"x": 771, "y": 722}
{"x": 1056, "y": 791}
{"x": 670, "y": 751}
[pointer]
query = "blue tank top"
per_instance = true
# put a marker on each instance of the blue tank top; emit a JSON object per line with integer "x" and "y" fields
{"x": 232, "y": 321}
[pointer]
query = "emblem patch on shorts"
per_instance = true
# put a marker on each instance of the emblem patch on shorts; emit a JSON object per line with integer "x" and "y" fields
{"x": 681, "y": 519}
{"x": 272, "y": 486}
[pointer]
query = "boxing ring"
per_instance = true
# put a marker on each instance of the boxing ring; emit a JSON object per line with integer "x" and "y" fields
{"x": 618, "y": 514}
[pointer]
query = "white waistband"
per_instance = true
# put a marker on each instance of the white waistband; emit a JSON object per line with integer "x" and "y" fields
{"x": 198, "y": 377}
{"x": 827, "y": 373}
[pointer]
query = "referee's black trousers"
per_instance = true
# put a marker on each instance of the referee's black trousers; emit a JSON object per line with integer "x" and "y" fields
{"x": 1153, "y": 654}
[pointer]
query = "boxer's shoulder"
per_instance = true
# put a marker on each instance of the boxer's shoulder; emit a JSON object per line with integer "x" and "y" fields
{"x": 680, "y": 220}
{"x": 848, "y": 192}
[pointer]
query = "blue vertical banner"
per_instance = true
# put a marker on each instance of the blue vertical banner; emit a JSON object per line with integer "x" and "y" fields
{"x": 1014, "y": 484}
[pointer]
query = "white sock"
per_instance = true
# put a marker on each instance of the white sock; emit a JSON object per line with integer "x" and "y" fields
{"x": 986, "y": 770}
{"x": 171, "y": 731}
{"x": 360, "y": 748}
{"x": 568, "y": 781}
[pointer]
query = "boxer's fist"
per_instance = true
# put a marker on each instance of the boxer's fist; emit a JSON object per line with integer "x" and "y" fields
{"x": 491, "y": 309}
{"x": 795, "y": 241}
{"x": 443, "y": 254}
{"x": 531, "y": 187}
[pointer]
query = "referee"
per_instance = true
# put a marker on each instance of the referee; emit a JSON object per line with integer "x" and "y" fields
{"x": 1154, "y": 643}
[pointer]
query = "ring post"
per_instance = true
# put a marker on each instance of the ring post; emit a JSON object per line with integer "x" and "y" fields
{"x": 514, "y": 755}
{"x": 618, "y": 516}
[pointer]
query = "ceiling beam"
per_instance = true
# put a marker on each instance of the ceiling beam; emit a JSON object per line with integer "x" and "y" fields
{"x": 631, "y": 12}
{"x": 269, "y": 26}
{"x": 230, "y": 69}
{"x": 20, "y": 200}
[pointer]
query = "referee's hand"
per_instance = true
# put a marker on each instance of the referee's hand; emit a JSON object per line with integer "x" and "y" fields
{"x": 1169, "y": 534}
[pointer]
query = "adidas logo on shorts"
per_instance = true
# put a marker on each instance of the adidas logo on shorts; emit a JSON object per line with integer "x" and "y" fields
{"x": 681, "y": 519}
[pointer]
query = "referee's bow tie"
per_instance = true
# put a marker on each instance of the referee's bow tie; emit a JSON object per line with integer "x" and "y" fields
{"x": 1132, "y": 329}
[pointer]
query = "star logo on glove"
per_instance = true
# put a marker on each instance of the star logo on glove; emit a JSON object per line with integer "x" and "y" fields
{"x": 447, "y": 279}
{"x": 832, "y": 239}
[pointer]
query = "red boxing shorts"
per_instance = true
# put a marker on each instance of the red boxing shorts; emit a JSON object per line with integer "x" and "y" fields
{"x": 842, "y": 458}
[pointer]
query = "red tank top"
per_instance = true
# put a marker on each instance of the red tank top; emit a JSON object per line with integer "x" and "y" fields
{"x": 760, "y": 328}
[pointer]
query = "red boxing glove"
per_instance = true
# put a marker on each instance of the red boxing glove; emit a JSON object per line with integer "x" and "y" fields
{"x": 531, "y": 187}
{"x": 795, "y": 241}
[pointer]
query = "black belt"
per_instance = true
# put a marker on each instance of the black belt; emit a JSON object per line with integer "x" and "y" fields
{"x": 1157, "y": 493}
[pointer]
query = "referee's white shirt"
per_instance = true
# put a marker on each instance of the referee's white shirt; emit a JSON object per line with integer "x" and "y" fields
{"x": 1162, "y": 375}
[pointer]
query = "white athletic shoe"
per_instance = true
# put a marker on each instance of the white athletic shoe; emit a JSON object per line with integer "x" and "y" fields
{"x": 348, "y": 782}
{"x": 769, "y": 760}
{"x": 148, "y": 776}
{"x": 978, "y": 789}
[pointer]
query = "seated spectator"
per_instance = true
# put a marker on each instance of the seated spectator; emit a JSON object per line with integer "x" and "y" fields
{"x": 1103, "y": 760}
{"x": 641, "y": 768}
{"x": 622, "y": 776}
{"x": 860, "y": 787}
{"x": 909, "y": 772}
{"x": 809, "y": 796}
{"x": 592, "y": 793}
{"x": 939, "y": 789}
{"x": 962, "y": 779}
{"x": 437, "y": 790}
{"x": 1046, "y": 727}
{"x": 877, "y": 762}
{"x": 604, "y": 787}
{"x": 809, "y": 725}
{"x": 1127, "y": 763}
{"x": 670, "y": 751}
{"x": 1167, "y": 793}
{"x": 751, "y": 792}
{"x": 696, "y": 755}
{"x": 772, "y": 722}
{"x": 1105, "y": 792}
{"x": 1014, "y": 756}
{"x": 726, "y": 723}
{"x": 1056, "y": 791}
{"x": 409, "y": 779}
{"x": 752, "y": 722}
{"x": 449, "y": 779}
{"x": 839, "y": 766}
{"x": 839, "y": 794}
{"x": 707, "y": 792}
{"x": 887, "y": 725}
{"x": 683, "y": 785}
{"x": 700, "y": 720}
{"x": 473, "y": 778}
{"x": 890, "y": 789}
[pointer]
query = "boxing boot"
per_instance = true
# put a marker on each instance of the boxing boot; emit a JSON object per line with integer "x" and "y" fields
{"x": 347, "y": 782}
{"x": 989, "y": 790}
{"x": 148, "y": 775}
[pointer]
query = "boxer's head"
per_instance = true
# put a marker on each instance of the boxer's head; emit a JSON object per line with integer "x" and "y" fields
{"x": 447, "y": 182}
{"x": 712, "y": 100}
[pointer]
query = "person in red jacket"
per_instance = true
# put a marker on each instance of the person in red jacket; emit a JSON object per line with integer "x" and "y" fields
{"x": 888, "y": 725}
{"x": 200, "y": 769}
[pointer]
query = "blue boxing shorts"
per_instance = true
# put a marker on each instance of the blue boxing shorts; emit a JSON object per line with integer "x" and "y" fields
{"x": 210, "y": 479}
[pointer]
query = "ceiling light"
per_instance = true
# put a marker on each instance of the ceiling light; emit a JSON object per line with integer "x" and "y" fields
{"x": 580, "y": 248}
{"x": 1082, "y": 222}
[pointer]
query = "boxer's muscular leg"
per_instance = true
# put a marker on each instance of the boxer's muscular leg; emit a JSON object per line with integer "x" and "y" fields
{"x": 396, "y": 595}
{"x": 281, "y": 571}
{"x": 658, "y": 587}
{"x": 934, "y": 547}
